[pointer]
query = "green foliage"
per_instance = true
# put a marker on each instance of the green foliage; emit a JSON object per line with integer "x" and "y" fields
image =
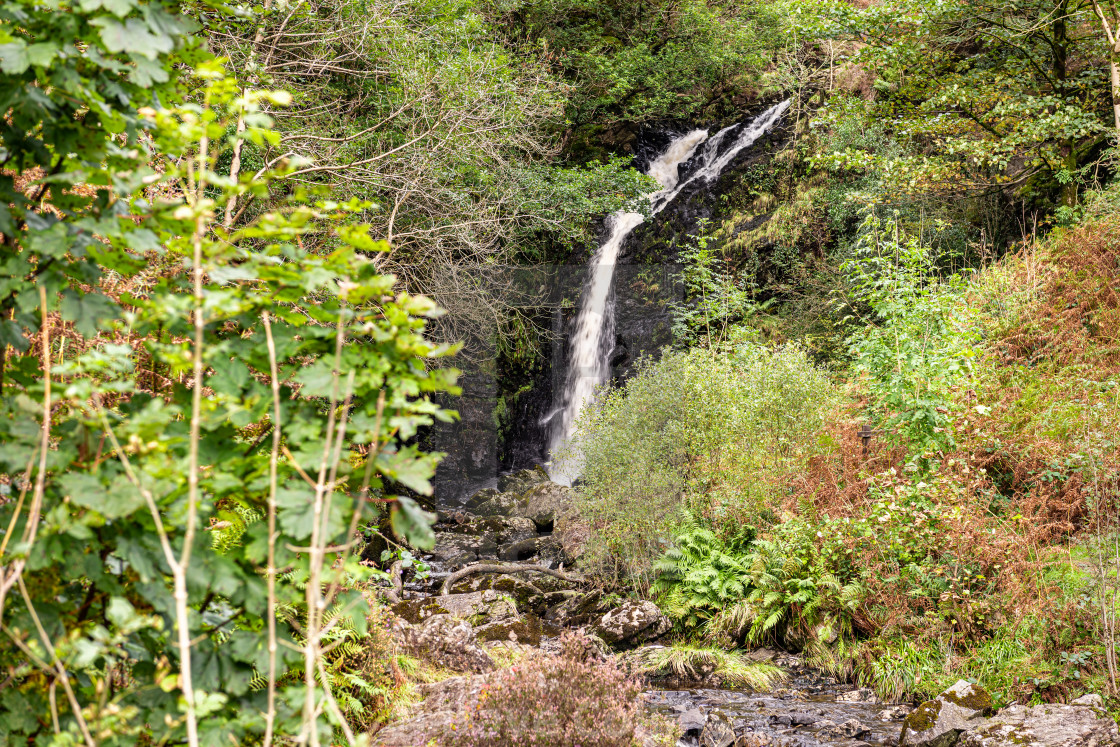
{"x": 699, "y": 577}
{"x": 125, "y": 451}
{"x": 637, "y": 62}
{"x": 715, "y": 297}
{"x": 709, "y": 431}
{"x": 348, "y": 642}
{"x": 71, "y": 81}
{"x": 1006, "y": 93}
{"x": 777, "y": 587}
{"x": 917, "y": 346}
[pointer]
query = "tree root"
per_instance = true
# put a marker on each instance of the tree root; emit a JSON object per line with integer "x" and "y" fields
{"x": 470, "y": 570}
{"x": 394, "y": 594}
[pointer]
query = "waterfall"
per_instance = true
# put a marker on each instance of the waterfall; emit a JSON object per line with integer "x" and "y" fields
{"x": 593, "y": 338}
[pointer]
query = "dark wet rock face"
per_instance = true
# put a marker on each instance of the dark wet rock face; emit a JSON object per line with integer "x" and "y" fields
{"x": 470, "y": 442}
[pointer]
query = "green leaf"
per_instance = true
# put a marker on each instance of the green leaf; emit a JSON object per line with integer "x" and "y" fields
{"x": 318, "y": 379}
{"x": 119, "y": 8}
{"x": 90, "y": 312}
{"x": 412, "y": 523}
{"x": 42, "y": 53}
{"x": 12, "y": 334}
{"x": 147, "y": 72}
{"x": 133, "y": 36}
{"x": 230, "y": 376}
{"x": 48, "y": 237}
{"x": 410, "y": 467}
{"x": 122, "y": 614}
{"x": 142, "y": 240}
{"x": 117, "y": 499}
{"x": 13, "y": 57}
{"x": 297, "y": 511}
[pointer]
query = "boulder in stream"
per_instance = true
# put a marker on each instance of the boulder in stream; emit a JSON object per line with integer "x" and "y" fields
{"x": 496, "y": 504}
{"x": 570, "y": 534}
{"x": 480, "y": 606}
{"x": 444, "y": 701}
{"x": 718, "y": 732}
{"x": 632, "y": 623}
{"x": 1089, "y": 699}
{"x": 895, "y": 713}
{"x": 850, "y": 729}
{"x": 577, "y": 609}
{"x": 543, "y": 503}
{"x": 861, "y": 695}
{"x": 941, "y": 721}
{"x": 754, "y": 739}
{"x": 692, "y": 720}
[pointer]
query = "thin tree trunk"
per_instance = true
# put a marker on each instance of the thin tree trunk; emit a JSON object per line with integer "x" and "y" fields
{"x": 1115, "y": 65}
{"x": 1110, "y": 24}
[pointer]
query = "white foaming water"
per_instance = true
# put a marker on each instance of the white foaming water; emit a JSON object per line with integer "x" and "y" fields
{"x": 591, "y": 343}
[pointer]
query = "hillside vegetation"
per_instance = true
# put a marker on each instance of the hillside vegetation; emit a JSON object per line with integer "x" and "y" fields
{"x": 246, "y": 247}
{"x": 972, "y": 535}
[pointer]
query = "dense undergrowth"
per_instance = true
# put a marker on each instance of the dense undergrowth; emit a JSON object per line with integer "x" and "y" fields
{"x": 971, "y": 534}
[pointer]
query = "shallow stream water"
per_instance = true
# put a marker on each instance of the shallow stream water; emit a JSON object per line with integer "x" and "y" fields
{"x": 807, "y": 710}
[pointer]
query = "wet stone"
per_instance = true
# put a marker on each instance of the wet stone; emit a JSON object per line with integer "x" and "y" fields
{"x": 692, "y": 720}
{"x": 717, "y": 732}
{"x": 522, "y": 480}
{"x": 792, "y": 717}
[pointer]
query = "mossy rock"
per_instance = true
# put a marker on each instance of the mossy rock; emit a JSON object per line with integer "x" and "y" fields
{"x": 415, "y": 610}
{"x": 940, "y": 722}
{"x": 522, "y": 480}
{"x": 481, "y": 497}
{"x": 527, "y": 630}
{"x": 968, "y": 696}
{"x": 924, "y": 716}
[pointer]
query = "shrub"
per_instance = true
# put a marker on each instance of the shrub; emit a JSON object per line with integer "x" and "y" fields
{"x": 716, "y": 433}
{"x": 574, "y": 698}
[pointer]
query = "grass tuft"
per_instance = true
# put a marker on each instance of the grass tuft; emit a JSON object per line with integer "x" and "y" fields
{"x": 698, "y": 662}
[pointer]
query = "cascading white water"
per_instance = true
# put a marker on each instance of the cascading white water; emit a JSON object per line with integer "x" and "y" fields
{"x": 591, "y": 343}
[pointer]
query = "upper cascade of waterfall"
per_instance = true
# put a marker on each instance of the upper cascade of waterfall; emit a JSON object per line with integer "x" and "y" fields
{"x": 715, "y": 157}
{"x": 592, "y": 340}
{"x": 666, "y": 167}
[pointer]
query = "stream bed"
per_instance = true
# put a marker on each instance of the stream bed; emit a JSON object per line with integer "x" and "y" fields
{"x": 807, "y": 710}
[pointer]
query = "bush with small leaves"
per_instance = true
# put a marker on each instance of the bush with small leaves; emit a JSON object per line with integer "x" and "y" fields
{"x": 575, "y": 698}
